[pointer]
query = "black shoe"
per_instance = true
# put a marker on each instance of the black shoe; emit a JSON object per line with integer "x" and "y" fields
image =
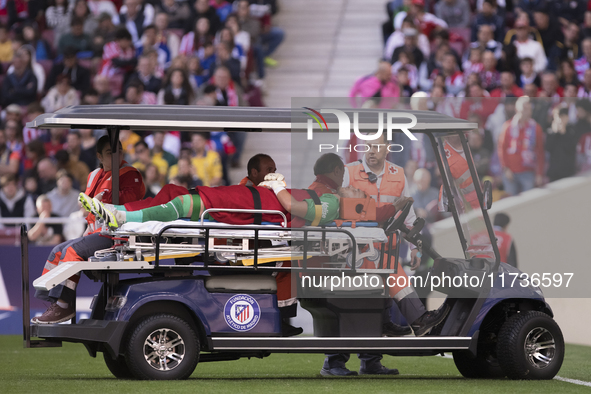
{"x": 394, "y": 330}
{"x": 381, "y": 370}
{"x": 430, "y": 319}
{"x": 287, "y": 330}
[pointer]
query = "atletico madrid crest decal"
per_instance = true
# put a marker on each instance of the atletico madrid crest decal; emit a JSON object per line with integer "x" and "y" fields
{"x": 242, "y": 312}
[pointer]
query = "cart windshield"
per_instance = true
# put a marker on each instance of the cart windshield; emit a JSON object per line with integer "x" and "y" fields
{"x": 463, "y": 197}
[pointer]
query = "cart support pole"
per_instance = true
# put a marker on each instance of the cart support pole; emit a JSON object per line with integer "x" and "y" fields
{"x": 25, "y": 286}
{"x": 115, "y": 162}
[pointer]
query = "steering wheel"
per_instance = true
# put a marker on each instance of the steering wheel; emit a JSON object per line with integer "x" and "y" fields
{"x": 397, "y": 221}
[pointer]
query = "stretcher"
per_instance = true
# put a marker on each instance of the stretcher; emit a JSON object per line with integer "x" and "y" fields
{"x": 154, "y": 245}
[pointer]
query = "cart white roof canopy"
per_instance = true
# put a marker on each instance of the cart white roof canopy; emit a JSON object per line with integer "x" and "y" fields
{"x": 195, "y": 118}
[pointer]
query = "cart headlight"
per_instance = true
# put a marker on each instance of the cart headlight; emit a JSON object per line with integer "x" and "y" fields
{"x": 115, "y": 302}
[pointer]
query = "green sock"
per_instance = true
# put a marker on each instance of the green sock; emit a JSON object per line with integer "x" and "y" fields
{"x": 120, "y": 208}
{"x": 134, "y": 216}
{"x": 177, "y": 208}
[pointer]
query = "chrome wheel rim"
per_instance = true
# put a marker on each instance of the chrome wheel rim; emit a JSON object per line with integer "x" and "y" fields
{"x": 164, "y": 349}
{"x": 540, "y": 347}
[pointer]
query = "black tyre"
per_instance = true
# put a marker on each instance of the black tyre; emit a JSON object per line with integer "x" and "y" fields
{"x": 118, "y": 366}
{"x": 479, "y": 367}
{"x": 162, "y": 347}
{"x": 530, "y": 346}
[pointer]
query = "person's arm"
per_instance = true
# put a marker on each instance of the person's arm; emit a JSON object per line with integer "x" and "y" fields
{"x": 540, "y": 61}
{"x": 39, "y": 229}
{"x": 131, "y": 188}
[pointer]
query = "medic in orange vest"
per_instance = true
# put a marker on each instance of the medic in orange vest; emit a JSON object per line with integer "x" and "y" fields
{"x": 460, "y": 172}
{"x": 385, "y": 182}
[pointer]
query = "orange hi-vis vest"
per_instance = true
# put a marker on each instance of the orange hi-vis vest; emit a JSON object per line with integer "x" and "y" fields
{"x": 504, "y": 241}
{"x": 391, "y": 185}
{"x": 100, "y": 181}
{"x": 461, "y": 174}
{"x": 391, "y": 188}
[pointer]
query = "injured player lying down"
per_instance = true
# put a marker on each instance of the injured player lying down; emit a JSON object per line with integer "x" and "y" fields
{"x": 298, "y": 205}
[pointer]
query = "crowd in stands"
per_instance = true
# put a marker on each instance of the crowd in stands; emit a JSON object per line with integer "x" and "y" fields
{"x": 57, "y": 53}
{"x": 518, "y": 68}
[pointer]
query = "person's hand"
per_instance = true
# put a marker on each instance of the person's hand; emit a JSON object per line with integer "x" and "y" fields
{"x": 415, "y": 259}
{"x": 509, "y": 174}
{"x": 99, "y": 196}
{"x": 401, "y": 202}
{"x": 539, "y": 180}
{"x": 274, "y": 181}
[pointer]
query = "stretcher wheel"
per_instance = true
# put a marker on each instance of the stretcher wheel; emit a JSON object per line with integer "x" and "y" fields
{"x": 358, "y": 263}
{"x": 374, "y": 256}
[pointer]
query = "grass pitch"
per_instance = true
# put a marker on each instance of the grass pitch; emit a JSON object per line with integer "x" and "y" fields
{"x": 70, "y": 370}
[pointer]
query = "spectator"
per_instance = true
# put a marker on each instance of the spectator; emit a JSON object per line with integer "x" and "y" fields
{"x": 45, "y": 234}
{"x": 526, "y": 47}
{"x": 135, "y": 15}
{"x": 206, "y": 162}
{"x": 409, "y": 46}
{"x": 77, "y": 154}
{"x": 143, "y": 157}
{"x": 31, "y": 36}
{"x": 223, "y": 57}
{"x": 490, "y": 77}
{"x": 159, "y": 150}
{"x": 565, "y": 49}
{"x": 586, "y": 27}
{"x": 152, "y": 180}
{"x": 508, "y": 87}
{"x": 135, "y": 94}
{"x": 583, "y": 130}
{"x": 222, "y": 8}
{"x": 14, "y": 135}
{"x": 88, "y": 148}
{"x": 396, "y": 40}
{"x": 98, "y": 7}
{"x": 480, "y": 153}
{"x": 14, "y": 201}
{"x": 548, "y": 28}
{"x": 488, "y": 16}
{"x": 405, "y": 60}
{"x": 426, "y": 21}
{"x": 402, "y": 76}
{"x": 170, "y": 39}
{"x": 227, "y": 93}
{"x": 456, "y": 13}
{"x": 145, "y": 73}
{"x": 585, "y": 89}
{"x": 505, "y": 242}
{"x": 20, "y": 84}
{"x": 56, "y": 141}
{"x": 550, "y": 88}
{"x": 561, "y": 144}
{"x": 236, "y": 50}
{"x": 47, "y": 175}
{"x": 34, "y": 153}
{"x": 177, "y": 13}
{"x": 454, "y": 79}
{"x": 104, "y": 33}
{"x": 64, "y": 198}
{"x": 76, "y": 39}
{"x": 82, "y": 11}
{"x": 118, "y": 56}
{"x": 79, "y": 76}
{"x": 425, "y": 196}
{"x": 193, "y": 42}
{"x": 61, "y": 95}
{"x": 78, "y": 170}
{"x": 103, "y": 89}
{"x": 486, "y": 42}
{"x": 582, "y": 63}
{"x": 379, "y": 84}
{"x": 128, "y": 140}
{"x": 13, "y": 112}
{"x": 151, "y": 42}
{"x": 185, "y": 172}
{"x": 29, "y": 134}
{"x": 521, "y": 150}
{"x": 568, "y": 74}
{"x": 177, "y": 89}
{"x": 202, "y": 9}
{"x": 6, "y": 51}
{"x": 567, "y": 11}
{"x": 528, "y": 75}
{"x": 9, "y": 162}
{"x": 241, "y": 37}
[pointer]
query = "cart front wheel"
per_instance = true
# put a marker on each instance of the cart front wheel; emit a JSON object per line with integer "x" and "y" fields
{"x": 162, "y": 347}
{"x": 530, "y": 346}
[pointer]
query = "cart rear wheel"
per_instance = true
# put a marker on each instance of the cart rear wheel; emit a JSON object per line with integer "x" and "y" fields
{"x": 162, "y": 347}
{"x": 118, "y": 366}
{"x": 530, "y": 346}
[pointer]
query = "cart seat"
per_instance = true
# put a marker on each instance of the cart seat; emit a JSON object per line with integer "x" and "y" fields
{"x": 241, "y": 283}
